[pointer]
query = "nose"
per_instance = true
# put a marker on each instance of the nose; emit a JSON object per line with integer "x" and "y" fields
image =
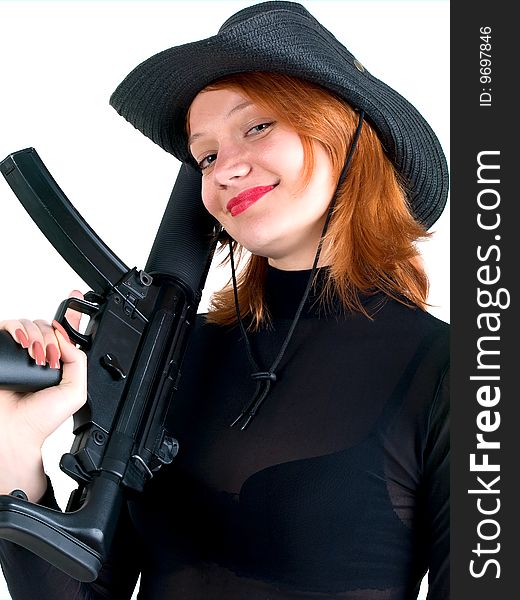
{"x": 231, "y": 163}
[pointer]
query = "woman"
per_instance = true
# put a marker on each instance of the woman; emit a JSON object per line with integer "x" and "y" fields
{"x": 333, "y": 479}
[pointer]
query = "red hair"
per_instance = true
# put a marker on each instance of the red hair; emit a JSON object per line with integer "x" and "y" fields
{"x": 371, "y": 237}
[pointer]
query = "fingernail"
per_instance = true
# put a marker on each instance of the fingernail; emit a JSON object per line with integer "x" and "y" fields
{"x": 59, "y": 327}
{"x": 22, "y": 338}
{"x": 39, "y": 356}
{"x": 53, "y": 356}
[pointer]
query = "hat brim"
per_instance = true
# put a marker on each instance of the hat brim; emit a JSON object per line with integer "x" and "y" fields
{"x": 156, "y": 95}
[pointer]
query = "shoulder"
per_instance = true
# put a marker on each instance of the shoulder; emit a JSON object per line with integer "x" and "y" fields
{"x": 423, "y": 342}
{"x": 208, "y": 334}
{"x": 419, "y": 319}
{"x": 422, "y": 399}
{"x": 202, "y": 326}
{"x": 412, "y": 327}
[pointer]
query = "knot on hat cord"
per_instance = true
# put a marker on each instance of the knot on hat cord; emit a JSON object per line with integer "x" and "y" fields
{"x": 264, "y": 379}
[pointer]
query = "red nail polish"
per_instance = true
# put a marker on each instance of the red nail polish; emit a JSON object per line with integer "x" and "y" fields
{"x": 53, "y": 356}
{"x": 22, "y": 338}
{"x": 39, "y": 356}
{"x": 59, "y": 327}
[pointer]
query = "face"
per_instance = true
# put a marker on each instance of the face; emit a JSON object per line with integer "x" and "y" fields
{"x": 252, "y": 179}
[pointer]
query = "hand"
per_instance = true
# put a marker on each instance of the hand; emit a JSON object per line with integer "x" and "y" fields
{"x": 27, "y": 419}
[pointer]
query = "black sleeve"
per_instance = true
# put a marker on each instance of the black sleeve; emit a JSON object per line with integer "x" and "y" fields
{"x": 437, "y": 494}
{"x": 28, "y": 576}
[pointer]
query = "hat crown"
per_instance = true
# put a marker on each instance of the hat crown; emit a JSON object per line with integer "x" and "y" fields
{"x": 262, "y": 9}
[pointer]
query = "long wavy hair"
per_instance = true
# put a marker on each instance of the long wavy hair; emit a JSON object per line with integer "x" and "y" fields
{"x": 371, "y": 238}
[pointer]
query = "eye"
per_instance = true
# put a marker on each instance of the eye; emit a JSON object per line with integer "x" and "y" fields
{"x": 207, "y": 161}
{"x": 260, "y": 128}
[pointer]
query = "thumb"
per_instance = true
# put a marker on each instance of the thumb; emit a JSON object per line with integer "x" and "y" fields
{"x": 74, "y": 370}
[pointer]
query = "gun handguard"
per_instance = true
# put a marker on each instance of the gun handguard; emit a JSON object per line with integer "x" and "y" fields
{"x": 135, "y": 341}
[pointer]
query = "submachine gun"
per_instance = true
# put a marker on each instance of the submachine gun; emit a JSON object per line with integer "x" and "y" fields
{"x": 139, "y": 326}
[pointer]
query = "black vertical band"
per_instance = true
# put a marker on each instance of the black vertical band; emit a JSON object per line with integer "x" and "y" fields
{"x": 485, "y": 199}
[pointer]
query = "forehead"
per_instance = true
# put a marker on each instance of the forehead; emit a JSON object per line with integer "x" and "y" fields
{"x": 211, "y": 106}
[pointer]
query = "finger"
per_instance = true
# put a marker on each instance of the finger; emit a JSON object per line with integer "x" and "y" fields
{"x": 51, "y": 346}
{"x": 49, "y": 408}
{"x": 36, "y": 342}
{"x": 17, "y": 331}
{"x": 37, "y": 337}
{"x": 74, "y": 316}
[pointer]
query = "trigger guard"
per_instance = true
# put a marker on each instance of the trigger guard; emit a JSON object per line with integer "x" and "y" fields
{"x": 82, "y": 306}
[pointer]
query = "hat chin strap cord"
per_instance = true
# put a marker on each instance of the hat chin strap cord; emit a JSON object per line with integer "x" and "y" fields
{"x": 264, "y": 379}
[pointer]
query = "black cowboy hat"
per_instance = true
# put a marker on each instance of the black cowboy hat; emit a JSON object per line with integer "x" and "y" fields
{"x": 283, "y": 37}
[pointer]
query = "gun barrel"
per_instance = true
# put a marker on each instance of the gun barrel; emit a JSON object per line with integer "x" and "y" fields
{"x": 186, "y": 235}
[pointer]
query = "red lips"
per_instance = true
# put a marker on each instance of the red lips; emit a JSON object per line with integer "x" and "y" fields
{"x": 245, "y": 199}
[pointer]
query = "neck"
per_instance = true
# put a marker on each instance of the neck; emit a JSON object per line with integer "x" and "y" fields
{"x": 284, "y": 290}
{"x": 300, "y": 263}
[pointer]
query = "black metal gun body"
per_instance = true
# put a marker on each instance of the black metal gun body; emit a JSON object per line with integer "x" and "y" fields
{"x": 135, "y": 341}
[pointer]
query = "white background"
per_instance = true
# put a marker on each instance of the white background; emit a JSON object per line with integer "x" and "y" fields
{"x": 61, "y": 60}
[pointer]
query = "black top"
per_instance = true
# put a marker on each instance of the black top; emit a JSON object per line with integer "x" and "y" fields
{"x": 339, "y": 488}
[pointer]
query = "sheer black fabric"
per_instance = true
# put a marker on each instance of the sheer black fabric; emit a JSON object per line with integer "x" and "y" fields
{"x": 339, "y": 488}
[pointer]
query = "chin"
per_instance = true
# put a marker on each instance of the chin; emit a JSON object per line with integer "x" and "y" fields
{"x": 262, "y": 238}
{"x": 258, "y": 250}
{"x": 253, "y": 245}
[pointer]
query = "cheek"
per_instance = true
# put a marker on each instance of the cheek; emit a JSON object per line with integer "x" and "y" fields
{"x": 285, "y": 158}
{"x": 323, "y": 178}
{"x": 209, "y": 199}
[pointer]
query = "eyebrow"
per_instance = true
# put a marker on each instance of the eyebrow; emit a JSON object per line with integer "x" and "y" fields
{"x": 235, "y": 109}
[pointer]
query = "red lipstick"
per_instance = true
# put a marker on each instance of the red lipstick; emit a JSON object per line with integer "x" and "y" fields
{"x": 247, "y": 198}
